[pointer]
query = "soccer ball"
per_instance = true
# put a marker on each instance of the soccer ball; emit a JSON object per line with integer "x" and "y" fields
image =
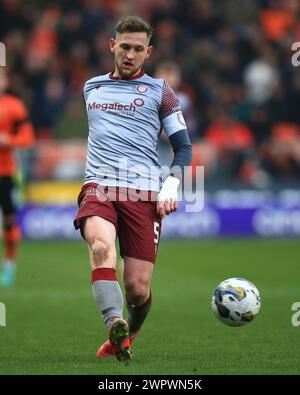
{"x": 236, "y": 301}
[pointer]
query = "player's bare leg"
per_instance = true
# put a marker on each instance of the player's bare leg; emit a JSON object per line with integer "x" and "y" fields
{"x": 100, "y": 235}
{"x": 137, "y": 280}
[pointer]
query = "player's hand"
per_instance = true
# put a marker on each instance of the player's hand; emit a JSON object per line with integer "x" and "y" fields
{"x": 167, "y": 199}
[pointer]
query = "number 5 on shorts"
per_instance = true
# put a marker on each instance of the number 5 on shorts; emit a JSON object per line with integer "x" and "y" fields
{"x": 156, "y": 232}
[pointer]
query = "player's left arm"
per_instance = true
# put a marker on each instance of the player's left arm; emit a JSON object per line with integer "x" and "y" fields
{"x": 22, "y": 134}
{"x": 167, "y": 201}
{"x": 175, "y": 128}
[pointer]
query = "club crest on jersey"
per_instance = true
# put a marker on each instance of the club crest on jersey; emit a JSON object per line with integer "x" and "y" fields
{"x": 142, "y": 88}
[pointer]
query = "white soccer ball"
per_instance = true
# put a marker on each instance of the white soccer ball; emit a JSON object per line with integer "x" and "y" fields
{"x": 236, "y": 301}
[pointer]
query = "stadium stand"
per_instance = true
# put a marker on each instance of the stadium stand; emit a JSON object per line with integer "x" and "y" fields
{"x": 236, "y": 71}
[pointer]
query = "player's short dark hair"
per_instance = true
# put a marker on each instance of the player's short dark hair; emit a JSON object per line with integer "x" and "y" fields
{"x": 134, "y": 24}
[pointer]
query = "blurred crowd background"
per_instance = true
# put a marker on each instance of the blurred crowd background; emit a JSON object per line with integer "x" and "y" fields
{"x": 228, "y": 61}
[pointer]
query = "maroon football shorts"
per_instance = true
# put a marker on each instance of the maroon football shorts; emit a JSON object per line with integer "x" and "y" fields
{"x": 137, "y": 224}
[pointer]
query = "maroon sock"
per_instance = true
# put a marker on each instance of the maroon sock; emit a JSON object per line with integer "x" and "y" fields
{"x": 137, "y": 314}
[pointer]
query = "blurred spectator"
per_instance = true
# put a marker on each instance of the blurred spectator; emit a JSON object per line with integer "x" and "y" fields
{"x": 260, "y": 124}
{"x": 261, "y": 79}
{"x": 281, "y": 155}
{"x": 48, "y": 105}
{"x": 233, "y": 141}
{"x": 279, "y": 18}
{"x": 59, "y": 160}
{"x": 171, "y": 73}
{"x": 293, "y": 98}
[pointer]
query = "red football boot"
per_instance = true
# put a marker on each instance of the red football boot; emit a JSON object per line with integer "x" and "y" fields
{"x": 118, "y": 343}
{"x": 108, "y": 350}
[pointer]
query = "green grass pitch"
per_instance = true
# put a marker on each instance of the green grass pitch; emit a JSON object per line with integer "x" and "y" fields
{"x": 53, "y": 326}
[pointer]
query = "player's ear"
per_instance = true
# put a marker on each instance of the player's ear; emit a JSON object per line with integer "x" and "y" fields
{"x": 112, "y": 45}
{"x": 149, "y": 51}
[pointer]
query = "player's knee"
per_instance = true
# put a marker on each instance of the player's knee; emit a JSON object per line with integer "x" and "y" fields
{"x": 101, "y": 252}
{"x": 137, "y": 291}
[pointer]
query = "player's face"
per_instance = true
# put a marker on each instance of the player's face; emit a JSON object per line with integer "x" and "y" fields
{"x": 130, "y": 50}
